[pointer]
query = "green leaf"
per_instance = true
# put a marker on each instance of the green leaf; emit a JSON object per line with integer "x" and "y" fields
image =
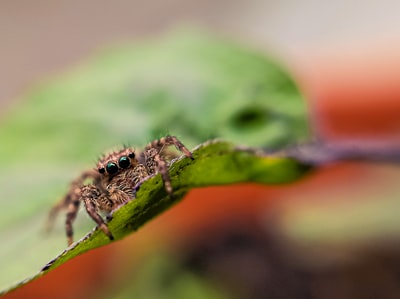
{"x": 215, "y": 163}
{"x": 186, "y": 84}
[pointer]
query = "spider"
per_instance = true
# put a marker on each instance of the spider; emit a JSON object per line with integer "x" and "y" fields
{"x": 115, "y": 181}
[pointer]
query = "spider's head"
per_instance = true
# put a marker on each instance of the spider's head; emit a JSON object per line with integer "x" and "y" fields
{"x": 117, "y": 162}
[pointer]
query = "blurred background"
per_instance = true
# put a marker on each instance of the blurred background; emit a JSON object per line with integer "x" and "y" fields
{"x": 334, "y": 234}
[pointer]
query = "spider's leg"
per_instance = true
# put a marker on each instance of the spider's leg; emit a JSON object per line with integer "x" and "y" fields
{"x": 179, "y": 145}
{"x": 153, "y": 151}
{"x": 64, "y": 203}
{"x": 163, "y": 170}
{"x": 55, "y": 210}
{"x": 169, "y": 140}
{"x": 89, "y": 196}
{"x": 73, "y": 208}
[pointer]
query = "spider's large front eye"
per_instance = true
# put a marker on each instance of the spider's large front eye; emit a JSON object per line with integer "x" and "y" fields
{"x": 124, "y": 162}
{"x": 112, "y": 168}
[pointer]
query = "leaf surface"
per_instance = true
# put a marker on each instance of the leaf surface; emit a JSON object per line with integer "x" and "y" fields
{"x": 185, "y": 84}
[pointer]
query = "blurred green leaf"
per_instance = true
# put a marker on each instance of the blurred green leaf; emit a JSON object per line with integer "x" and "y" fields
{"x": 185, "y": 84}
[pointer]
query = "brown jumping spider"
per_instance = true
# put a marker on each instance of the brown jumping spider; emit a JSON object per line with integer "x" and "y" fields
{"x": 115, "y": 181}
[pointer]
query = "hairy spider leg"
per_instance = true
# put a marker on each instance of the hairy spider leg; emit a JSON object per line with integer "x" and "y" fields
{"x": 73, "y": 208}
{"x": 89, "y": 195}
{"x": 153, "y": 150}
{"x": 169, "y": 140}
{"x": 65, "y": 202}
{"x": 163, "y": 170}
{"x": 55, "y": 210}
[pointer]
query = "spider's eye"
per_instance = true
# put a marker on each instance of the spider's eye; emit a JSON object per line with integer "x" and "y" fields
{"x": 102, "y": 170}
{"x": 124, "y": 162}
{"x": 112, "y": 168}
{"x": 131, "y": 155}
